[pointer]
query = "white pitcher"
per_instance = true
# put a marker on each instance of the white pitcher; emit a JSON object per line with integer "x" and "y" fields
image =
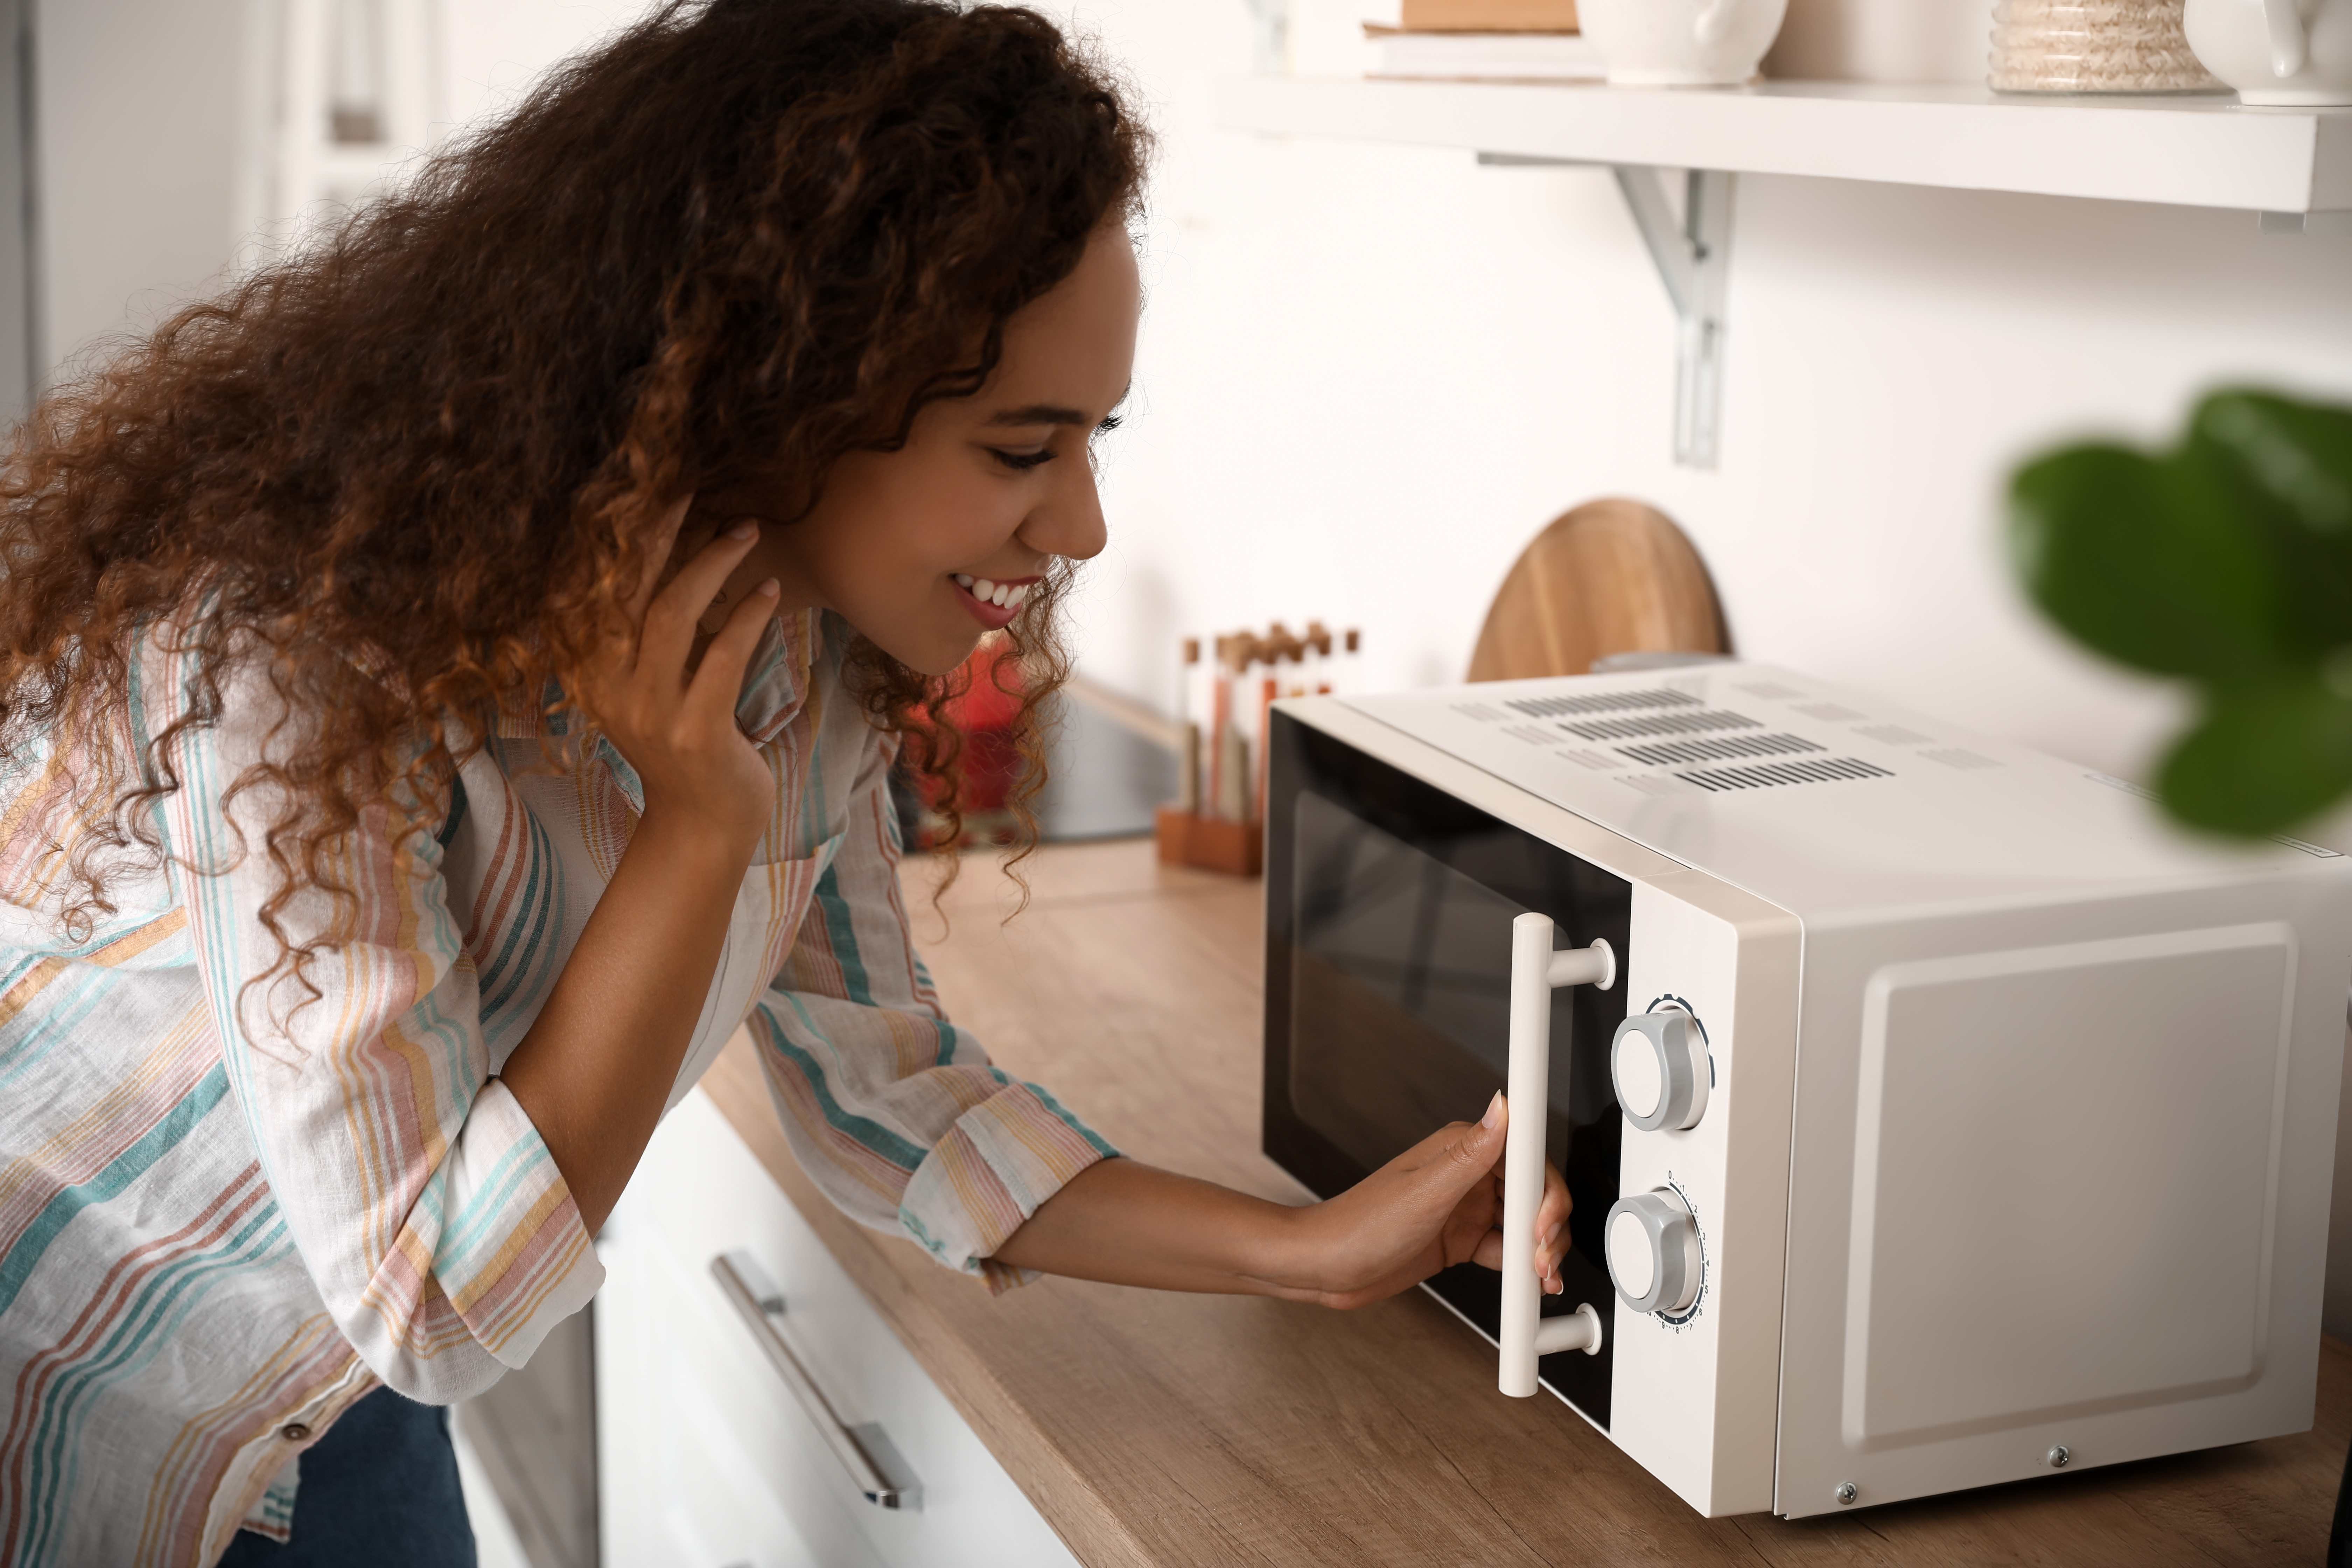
{"x": 2288, "y": 53}
{"x": 1681, "y": 43}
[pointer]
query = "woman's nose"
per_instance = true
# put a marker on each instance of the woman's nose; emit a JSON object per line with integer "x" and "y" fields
{"x": 1070, "y": 520}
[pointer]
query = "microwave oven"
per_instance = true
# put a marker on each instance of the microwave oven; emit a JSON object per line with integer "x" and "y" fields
{"x": 1934, "y": 1114}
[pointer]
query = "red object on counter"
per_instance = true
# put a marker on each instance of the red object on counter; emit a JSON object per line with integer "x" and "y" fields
{"x": 987, "y": 704}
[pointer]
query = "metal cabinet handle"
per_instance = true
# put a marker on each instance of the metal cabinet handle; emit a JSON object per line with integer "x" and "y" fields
{"x": 761, "y": 1304}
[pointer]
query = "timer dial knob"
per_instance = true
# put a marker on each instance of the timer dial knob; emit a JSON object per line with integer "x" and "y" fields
{"x": 1654, "y": 1251}
{"x": 1658, "y": 1063}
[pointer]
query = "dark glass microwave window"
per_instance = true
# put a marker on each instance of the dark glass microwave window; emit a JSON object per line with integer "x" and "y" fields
{"x": 1389, "y": 946}
{"x": 1400, "y": 989}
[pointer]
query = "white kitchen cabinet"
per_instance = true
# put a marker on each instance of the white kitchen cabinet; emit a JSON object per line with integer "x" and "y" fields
{"x": 707, "y": 1460}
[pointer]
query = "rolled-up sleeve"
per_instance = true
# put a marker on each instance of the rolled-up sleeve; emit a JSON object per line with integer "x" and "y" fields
{"x": 892, "y": 1110}
{"x": 425, "y": 1206}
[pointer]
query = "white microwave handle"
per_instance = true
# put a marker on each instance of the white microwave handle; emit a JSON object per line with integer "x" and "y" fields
{"x": 1535, "y": 972}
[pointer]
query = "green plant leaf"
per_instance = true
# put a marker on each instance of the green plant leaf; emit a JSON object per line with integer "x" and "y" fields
{"x": 2297, "y": 455}
{"x": 2150, "y": 562}
{"x": 2287, "y": 467}
{"x": 2263, "y": 760}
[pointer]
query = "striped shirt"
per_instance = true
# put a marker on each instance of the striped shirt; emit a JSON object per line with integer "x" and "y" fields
{"x": 225, "y": 1216}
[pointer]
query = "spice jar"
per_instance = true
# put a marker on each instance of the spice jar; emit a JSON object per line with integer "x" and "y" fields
{"x": 2094, "y": 45}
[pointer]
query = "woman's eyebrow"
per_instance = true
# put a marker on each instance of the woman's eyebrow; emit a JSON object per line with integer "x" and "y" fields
{"x": 1043, "y": 414}
{"x": 1040, "y": 413}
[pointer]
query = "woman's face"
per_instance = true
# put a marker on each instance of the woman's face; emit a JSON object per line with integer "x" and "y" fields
{"x": 987, "y": 491}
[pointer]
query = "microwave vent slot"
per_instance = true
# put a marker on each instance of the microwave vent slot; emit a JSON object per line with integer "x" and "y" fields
{"x": 1770, "y": 690}
{"x": 1656, "y": 783}
{"x": 1602, "y": 702}
{"x": 1812, "y": 770}
{"x": 1659, "y": 724}
{"x": 1598, "y": 761}
{"x": 1717, "y": 748}
{"x": 1893, "y": 734}
{"x": 1830, "y": 712}
{"x": 1960, "y": 757}
{"x": 1481, "y": 712}
{"x": 1531, "y": 735}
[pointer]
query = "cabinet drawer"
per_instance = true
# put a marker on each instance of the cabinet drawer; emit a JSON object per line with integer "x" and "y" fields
{"x": 680, "y": 1489}
{"x": 700, "y": 1193}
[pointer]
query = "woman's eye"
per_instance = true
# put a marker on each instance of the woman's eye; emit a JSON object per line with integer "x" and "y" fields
{"x": 1022, "y": 462}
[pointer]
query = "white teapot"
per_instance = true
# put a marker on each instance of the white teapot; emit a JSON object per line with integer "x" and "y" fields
{"x": 1681, "y": 43}
{"x": 2293, "y": 53}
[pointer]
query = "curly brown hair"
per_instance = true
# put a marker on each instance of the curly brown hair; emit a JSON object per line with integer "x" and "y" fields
{"x": 408, "y": 469}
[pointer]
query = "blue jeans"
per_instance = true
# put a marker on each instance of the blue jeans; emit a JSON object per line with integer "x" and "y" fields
{"x": 378, "y": 1490}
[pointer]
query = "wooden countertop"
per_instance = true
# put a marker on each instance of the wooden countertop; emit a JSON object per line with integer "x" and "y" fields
{"x": 1152, "y": 1428}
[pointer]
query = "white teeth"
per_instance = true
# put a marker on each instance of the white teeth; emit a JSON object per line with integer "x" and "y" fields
{"x": 1004, "y": 595}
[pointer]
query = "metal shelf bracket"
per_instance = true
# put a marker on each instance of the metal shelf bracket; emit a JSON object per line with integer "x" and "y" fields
{"x": 2325, "y": 221}
{"x": 1693, "y": 261}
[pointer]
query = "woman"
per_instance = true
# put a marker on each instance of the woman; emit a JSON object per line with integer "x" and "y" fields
{"x": 451, "y": 686}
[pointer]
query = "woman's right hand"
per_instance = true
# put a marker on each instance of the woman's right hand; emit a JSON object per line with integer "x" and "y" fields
{"x": 676, "y": 727}
{"x": 1438, "y": 1204}
{"x": 600, "y": 1062}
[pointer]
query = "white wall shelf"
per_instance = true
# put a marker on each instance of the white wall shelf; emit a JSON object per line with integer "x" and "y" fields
{"x": 2191, "y": 150}
{"x": 2294, "y": 166}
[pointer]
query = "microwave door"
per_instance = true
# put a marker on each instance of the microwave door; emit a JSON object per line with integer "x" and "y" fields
{"x": 1389, "y": 913}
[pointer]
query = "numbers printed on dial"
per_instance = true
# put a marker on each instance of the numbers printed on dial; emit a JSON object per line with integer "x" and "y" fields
{"x": 1654, "y": 1257}
{"x": 1682, "y": 1319}
{"x": 1706, "y": 1041}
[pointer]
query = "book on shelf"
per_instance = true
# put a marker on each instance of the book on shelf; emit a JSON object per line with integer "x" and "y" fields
{"x": 1485, "y": 57}
{"x": 1488, "y": 16}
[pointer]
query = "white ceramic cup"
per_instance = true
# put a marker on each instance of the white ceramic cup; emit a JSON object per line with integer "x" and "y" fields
{"x": 1681, "y": 43}
{"x": 2279, "y": 53}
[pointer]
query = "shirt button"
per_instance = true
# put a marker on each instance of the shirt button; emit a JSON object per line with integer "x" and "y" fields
{"x": 294, "y": 1431}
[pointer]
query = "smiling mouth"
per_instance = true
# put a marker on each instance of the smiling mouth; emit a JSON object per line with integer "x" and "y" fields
{"x": 1001, "y": 596}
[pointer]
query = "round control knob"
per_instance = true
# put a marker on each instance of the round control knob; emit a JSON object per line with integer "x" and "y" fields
{"x": 1654, "y": 1254}
{"x": 1658, "y": 1062}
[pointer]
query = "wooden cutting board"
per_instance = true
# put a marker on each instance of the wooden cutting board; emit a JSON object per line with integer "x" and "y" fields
{"x": 1611, "y": 576}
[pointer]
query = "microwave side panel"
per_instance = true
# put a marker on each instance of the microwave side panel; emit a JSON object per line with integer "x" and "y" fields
{"x": 2060, "y": 1177}
{"x": 1698, "y": 1396}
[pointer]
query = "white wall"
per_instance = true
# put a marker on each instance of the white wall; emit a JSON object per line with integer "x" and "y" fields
{"x": 495, "y": 49}
{"x": 1370, "y": 372}
{"x": 150, "y": 113}
{"x": 139, "y": 104}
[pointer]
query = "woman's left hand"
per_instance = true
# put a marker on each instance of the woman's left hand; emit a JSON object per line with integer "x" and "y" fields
{"x": 1438, "y": 1204}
